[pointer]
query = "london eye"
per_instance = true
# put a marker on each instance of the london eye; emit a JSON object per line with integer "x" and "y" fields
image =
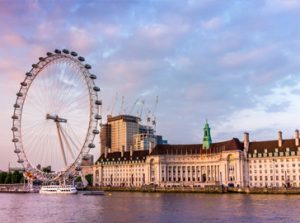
{"x": 56, "y": 116}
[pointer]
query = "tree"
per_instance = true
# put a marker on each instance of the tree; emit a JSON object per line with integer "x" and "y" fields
{"x": 78, "y": 179}
{"x": 22, "y": 179}
{"x": 89, "y": 179}
{"x": 16, "y": 176}
{"x": 2, "y": 177}
{"x": 8, "y": 178}
{"x": 47, "y": 169}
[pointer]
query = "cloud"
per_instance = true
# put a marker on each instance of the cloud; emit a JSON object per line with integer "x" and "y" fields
{"x": 212, "y": 23}
{"x": 235, "y": 63}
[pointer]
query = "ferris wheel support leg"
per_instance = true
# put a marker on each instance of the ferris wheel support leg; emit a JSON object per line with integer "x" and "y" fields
{"x": 61, "y": 143}
{"x": 67, "y": 143}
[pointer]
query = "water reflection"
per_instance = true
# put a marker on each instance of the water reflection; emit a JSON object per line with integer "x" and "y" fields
{"x": 149, "y": 207}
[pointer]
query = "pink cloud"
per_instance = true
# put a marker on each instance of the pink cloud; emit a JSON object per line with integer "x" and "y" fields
{"x": 240, "y": 58}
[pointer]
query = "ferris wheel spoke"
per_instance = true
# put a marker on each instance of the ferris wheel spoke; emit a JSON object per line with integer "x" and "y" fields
{"x": 61, "y": 144}
{"x": 73, "y": 142}
{"x": 67, "y": 143}
{"x": 74, "y": 138}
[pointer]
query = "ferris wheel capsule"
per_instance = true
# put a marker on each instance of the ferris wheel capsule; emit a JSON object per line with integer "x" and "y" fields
{"x": 96, "y": 132}
{"x": 98, "y": 102}
{"x": 93, "y": 76}
{"x": 74, "y": 54}
{"x": 23, "y": 84}
{"x": 66, "y": 51}
{"x": 91, "y": 145}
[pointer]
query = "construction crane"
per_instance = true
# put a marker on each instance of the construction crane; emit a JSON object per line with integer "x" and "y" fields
{"x": 133, "y": 106}
{"x": 153, "y": 114}
{"x": 148, "y": 121}
{"x": 114, "y": 104}
{"x": 122, "y": 110}
{"x": 142, "y": 109}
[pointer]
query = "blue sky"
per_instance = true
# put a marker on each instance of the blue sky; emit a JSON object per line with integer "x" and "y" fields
{"x": 235, "y": 63}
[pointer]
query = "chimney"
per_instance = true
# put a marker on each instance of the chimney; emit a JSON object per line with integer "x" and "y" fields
{"x": 131, "y": 151}
{"x": 246, "y": 141}
{"x": 150, "y": 148}
{"x": 297, "y": 137}
{"x": 105, "y": 152}
{"x": 122, "y": 151}
{"x": 279, "y": 138}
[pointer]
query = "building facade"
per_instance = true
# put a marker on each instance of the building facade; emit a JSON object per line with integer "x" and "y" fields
{"x": 274, "y": 163}
{"x": 125, "y": 131}
{"x": 174, "y": 165}
{"x": 231, "y": 163}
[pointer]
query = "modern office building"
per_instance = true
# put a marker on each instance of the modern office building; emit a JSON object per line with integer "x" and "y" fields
{"x": 118, "y": 132}
{"x": 125, "y": 131}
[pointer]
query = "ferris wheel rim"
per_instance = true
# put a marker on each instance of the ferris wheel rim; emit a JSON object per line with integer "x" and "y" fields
{"x": 94, "y": 116}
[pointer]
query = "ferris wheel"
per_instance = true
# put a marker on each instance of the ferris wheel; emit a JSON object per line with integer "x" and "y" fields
{"x": 56, "y": 116}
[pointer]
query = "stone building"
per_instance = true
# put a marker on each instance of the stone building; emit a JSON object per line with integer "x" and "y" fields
{"x": 275, "y": 163}
{"x": 175, "y": 165}
{"x": 125, "y": 168}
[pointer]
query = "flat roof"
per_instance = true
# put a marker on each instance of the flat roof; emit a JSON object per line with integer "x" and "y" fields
{"x": 126, "y": 118}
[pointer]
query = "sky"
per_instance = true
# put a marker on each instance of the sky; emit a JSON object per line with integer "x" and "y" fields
{"x": 234, "y": 63}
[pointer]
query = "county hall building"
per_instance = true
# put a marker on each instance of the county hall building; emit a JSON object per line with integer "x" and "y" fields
{"x": 231, "y": 163}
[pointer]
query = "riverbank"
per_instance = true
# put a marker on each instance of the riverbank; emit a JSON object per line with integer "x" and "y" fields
{"x": 206, "y": 189}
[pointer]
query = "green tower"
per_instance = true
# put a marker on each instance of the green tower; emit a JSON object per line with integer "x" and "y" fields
{"x": 206, "y": 138}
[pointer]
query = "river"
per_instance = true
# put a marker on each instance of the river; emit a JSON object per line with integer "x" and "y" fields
{"x": 149, "y": 207}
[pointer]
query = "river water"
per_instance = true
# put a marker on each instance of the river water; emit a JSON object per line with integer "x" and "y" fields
{"x": 149, "y": 207}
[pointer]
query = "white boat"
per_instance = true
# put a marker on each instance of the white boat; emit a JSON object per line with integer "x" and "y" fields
{"x": 58, "y": 189}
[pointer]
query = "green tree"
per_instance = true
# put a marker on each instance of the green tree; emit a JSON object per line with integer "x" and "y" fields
{"x": 22, "y": 179}
{"x": 16, "y": 176}
{"x": 89, "y": 179}
{"x": 2, "y": 177}
{"x": 47, "y": 169}
{"x": 78, "y": 179}
{"x": 8, "y": 178}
